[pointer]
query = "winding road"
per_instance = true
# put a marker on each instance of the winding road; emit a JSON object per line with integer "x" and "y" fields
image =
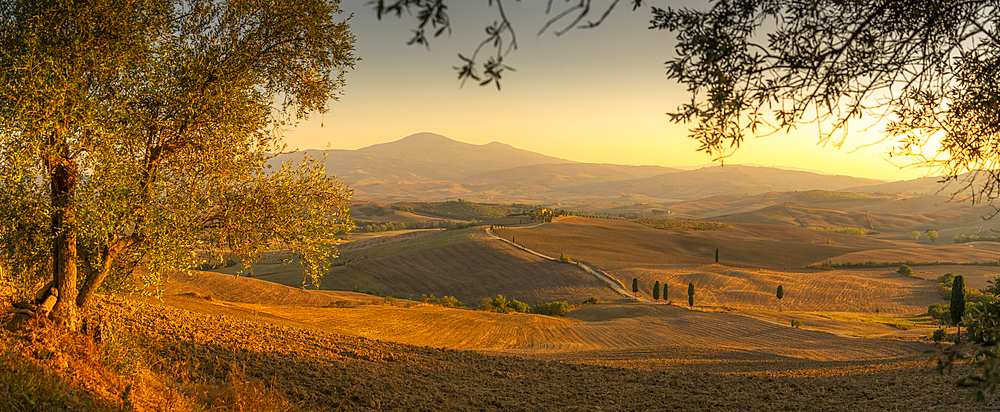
{"x": 612, "y": 282}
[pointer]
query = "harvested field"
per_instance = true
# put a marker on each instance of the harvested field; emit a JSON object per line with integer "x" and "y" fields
{"x": 590, "y": 327}
{"x": 324, "y": 371}
{"x": 484, "y": 267}
{"x": 612, "y": 244}
{"x": 466, "y": 264}
{"x": 962, "y": 253}
{"x": 842, "y": 290}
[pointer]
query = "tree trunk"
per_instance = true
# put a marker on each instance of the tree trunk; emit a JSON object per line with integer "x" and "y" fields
{"x": 64, "y": 253}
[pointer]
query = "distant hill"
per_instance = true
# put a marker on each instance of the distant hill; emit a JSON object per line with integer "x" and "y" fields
{"x": 431, "y": 167}
{"x": 434, "y": 148}
{"x": 422, "y": 157}
{"x": 568, "y": 174}
{"x": 721, "y": 180}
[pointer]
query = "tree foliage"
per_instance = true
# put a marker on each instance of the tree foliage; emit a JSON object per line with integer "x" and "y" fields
{"x": 957, "y": 299}
{"x": 656, "y": 291}
{"x": 690, "y": 294}
{"x": 929, "y": 68}
{"x": 136, "y": 132}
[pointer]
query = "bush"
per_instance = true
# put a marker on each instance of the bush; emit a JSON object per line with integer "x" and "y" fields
{"x": 904, "y": 270}
{"x": 796, "y": 323}
{"x": 554, "y": 308}
{"x": 518, "y": 306}
{"x": 498, "y": 304}
{"x": 448, "y": 301}
{"x": 563, "y": 258}
{"x": 939, "y": 312}
{"x": 592, "y": 300}
{"x": 939, "y": 335}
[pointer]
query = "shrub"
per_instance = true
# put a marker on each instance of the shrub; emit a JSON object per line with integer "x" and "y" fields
{"x": 905, "y": 270}
{"x": 915, "y": 235}
{"x": 796, "y": 323}
{"x": 498, "y": 304}
{"x": 563, "y": 258}
{"x": 518, "y": 306}
{"x": 592, "y": 300}
{"x": 552, "y": 308}
{"x": 939, "y": 335}
{"x": 941, "y": 313}
{"x": 448, "y": 301}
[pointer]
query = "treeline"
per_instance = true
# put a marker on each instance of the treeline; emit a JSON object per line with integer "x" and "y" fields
{"x": 975, "y": 238}
{"x": 826, "y": 196}
{"x": 371, "y": 227}
{"x": 461, "y": 209}
{"x": 874, "y": 264}
{"x": 683, "y": 224}
{"x": 500, "y": 304}
{"x": 853, "y": 231}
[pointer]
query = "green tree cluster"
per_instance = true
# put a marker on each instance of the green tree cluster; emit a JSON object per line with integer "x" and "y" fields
{"x": 135, "y": 132}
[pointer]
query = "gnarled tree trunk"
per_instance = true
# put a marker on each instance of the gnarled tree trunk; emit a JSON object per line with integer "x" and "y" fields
{"x": 64, "y": 175}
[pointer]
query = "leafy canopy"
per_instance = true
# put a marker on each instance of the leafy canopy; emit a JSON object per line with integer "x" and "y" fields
{"x": 136, "y": 133}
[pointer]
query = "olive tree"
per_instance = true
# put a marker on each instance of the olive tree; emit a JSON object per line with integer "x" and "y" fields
{"x": 136, "y": 133}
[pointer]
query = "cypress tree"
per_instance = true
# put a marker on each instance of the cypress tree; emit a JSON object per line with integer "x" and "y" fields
{"x": 716, "y": 255}
{"x": 691, "y": 294}
{"x": 958, "y": 302}
{"x": 635, "y": 287}
{"x": 666, "y": 293}
{"x": 781, "y": 294}
{"x": 656, "y": 291}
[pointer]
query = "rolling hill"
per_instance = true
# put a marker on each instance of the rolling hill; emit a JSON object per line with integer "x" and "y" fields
{"x": 718, "y": 180}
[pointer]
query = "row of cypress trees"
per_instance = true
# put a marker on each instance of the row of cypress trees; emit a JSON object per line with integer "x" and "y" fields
{"x": 666, "y": 292}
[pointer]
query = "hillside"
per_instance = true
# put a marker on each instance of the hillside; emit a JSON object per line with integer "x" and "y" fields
{"x": 465, "y": 264}
{"x": 612, "y": 244}
{"x": 720, "y": 180}
{"x": 202, "y": 358}
{"x": 556, "y": 176}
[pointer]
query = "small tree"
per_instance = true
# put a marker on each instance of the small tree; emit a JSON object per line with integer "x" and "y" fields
{"x": 656, "y": 291}
{"x": 691, "y": 294}
{"x": 666, "y": 293}
{"x": 915, "y": 235}
{"x": 932, "y": 235}
{"x": 781, "y": 294}
{"x": 716, "y": 255}
{"x": 958, "y": 302}
{"x": 635, "y": 287}
{"x": 905, "y": 270}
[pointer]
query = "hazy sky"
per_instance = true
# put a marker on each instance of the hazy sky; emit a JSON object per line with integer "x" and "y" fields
{"x": 596, "y": 95}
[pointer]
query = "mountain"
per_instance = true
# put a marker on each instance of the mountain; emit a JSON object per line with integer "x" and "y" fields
{"x": 422, "y": 157}
{"x": 720, "y": 180}
{"x": 434, "y": 148}
{"x": 428, "y": 166}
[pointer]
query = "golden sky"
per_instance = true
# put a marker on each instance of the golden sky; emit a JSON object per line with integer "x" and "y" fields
{"x": 595, "y": 96}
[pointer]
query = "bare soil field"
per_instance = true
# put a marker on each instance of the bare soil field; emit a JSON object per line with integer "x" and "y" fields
{"x": 318, "y": 370}
{"x": 466, "y": 264}
{"x": 843, "y": 290}
{"x": 961, "y": 253}
{"x": 612, "y": 244}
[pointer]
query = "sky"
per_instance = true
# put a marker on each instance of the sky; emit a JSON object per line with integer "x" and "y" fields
{"x": 597, "y": 95}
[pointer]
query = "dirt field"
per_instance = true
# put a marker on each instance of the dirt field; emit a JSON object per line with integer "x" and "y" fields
{"x": 325, "y": 371}
{"x": 613, "y": 244}
{"x": 867, "y": 290}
